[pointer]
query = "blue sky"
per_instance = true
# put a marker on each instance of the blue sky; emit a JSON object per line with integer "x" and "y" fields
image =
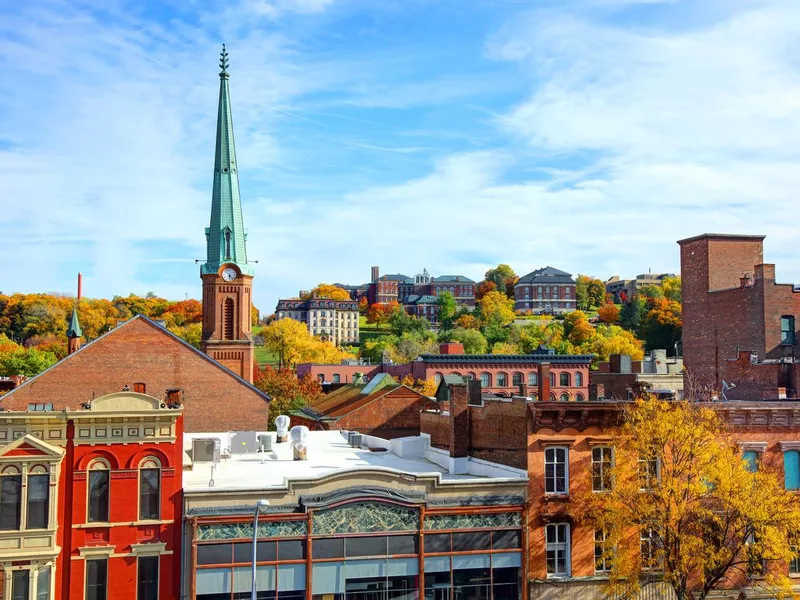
{"x": 449, "y": 134}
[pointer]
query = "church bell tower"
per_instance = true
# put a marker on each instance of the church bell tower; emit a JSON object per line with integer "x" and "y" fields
{"x": 227, "y": 275}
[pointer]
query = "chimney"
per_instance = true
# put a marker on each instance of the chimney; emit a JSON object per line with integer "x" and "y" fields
{"x": 451, "y": 348}
{"x": 523, "y": 390}
{"x": 174, "y": 397}
{"x": 766, "y": 272}
{"x": 80, "y": 286}
{"x": 376, "y": 273}
{"x": 459, "y": 427}
{"x": 544, "y": 381}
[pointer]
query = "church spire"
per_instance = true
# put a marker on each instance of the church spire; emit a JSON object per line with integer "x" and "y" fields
{"x": 225, "y": 237}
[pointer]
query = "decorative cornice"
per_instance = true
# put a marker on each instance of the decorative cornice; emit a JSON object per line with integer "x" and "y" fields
{"x": 92, "y": 551}
{"x": 360, "y": 493}
{"x": 496, "y": 500}
{"x": 789, "y": 446}
{"x": 149, "y": 548}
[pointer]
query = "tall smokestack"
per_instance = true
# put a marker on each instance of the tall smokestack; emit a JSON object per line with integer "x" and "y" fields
{"x": 80, "y": 286}
{"x": 375, "y": 274}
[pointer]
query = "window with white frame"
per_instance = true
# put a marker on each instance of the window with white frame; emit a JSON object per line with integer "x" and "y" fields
{"x": 533, "y": 378}
{"x": 602, "y": 464}
{"x": 649, "y": 472}
{"x": 20, "y": 584}
{"x": 150, "y": 489}
{"x": 650, "y": 543}
{"x": 38, "y": 502}
{"x": 10, "y": 498}
{"x": 99, "y": 496}
{"x": 602, "y": 557}
{"x": 557, "y": 549}
{"x": 794, "y": 562}
{"x": 578, "y": 379}
{"x": 556, "y": 470}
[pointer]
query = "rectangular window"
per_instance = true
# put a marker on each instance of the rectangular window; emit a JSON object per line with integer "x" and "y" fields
{"x": 96, "y": 578}
{"x": 20, "y": 584}
{"x": 10, "y": 502}
{"x": 556, "y": 472}
{"x": 649, "y": 544}
{"x": 139, "y": 387}
{"x": 38, "y": 501}
{"x": 791, "y": 469}
{"x": 602, "y": 561}
{"x": 43, "y": 584}
{"x": 787, "y": 330}
{"x": 794, "y": 563}
{"x": 751, "y": 460}
{"x": 147, "y": 588}
{"x": 149, "y": 493}
{"x": 648, "y": 472}
{"x": 98, "y": 496}
{"x": 557, "y": 549}
{"x": 602, "y": 463}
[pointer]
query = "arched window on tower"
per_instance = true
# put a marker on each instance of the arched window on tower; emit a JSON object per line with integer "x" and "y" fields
{"x": 227, "y": 319}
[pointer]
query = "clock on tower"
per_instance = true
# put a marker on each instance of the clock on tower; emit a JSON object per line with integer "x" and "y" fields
{"x": 227, "y": 275}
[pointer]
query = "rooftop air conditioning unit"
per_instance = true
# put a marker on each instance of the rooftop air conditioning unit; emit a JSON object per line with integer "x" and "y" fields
{"x": 244, "y": 442}
{"x": 205, "y": 450}
{"x": 266, "y": 442}
{"x": 355, "y": 440}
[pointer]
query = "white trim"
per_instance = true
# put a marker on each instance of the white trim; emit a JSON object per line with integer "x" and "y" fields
{"x": 566, "y": 470}
{"x": 96, "y": 551}
{"x": 568, "y": 550}
{"x": 149, "y": 549}
{"x": 785, "y": 446}
{"x": 753, "y": 446}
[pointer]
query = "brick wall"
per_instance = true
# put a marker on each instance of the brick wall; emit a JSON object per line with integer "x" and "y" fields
{"x": 396, "y": 414}
{"x": 437, "y": 425}
{"x": 139, "y": 351}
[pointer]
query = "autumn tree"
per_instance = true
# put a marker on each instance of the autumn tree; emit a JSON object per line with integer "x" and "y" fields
{"x": 291, "y": 341}
{"x": 473, "y": 340}
{"x": 446, "y": 309}
{"x": 327, "y": 290}
{"x": 426, "y": 387}
{"x": 496, "y": 308}
{"x": 632, "y": 313}
{"x": 662, "y": 324}
{"x": 577, "y": 328}
{"x": 589, "y": 292}
{"x": 503, "y": 278}
{"x": 679, "y": 481}
{"x": 288, "y": 392}
{"x": 608, "y": 313}
{"x": 483, "y": 288}
{"x": 612, "y": 339}
{"x": 17, "y": 360}
{"x": 467, "y": 321}
{"x": 651, "y": 291}
{"x": 363, "y": 305}
{"x": 401, "y": 322}
{"x": 672, "y": 288}
{"x": 380, "y": 313}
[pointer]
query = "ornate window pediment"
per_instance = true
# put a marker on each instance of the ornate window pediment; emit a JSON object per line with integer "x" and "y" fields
{"x": 365, "y": 517}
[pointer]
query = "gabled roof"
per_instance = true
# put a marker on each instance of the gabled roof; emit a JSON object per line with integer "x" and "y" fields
{"x": 349, "y": 398}
{"x": 34, "y": 443}
{"x": 422, "y": 300}
{"x": 452, "y": 279}
{"x": 155, "y": 325}
{"x": 547, "y": 275}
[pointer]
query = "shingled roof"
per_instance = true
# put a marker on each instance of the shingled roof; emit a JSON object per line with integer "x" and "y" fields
{"x": 547, "y": 276}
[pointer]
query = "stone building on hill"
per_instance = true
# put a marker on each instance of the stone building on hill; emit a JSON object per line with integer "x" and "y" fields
{"x": 333, "y": 320}
{"x": 546, "y": 291}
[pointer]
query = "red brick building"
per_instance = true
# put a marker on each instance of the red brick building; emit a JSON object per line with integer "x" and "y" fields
{"x": 144, "y": 357}
{"x": 91, "y": 500}
{"x": 546, "y": 291}
{"x": 731, "y": 303}
{"x": 381, "y": 407}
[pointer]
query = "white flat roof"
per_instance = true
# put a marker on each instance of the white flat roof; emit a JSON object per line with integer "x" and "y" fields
{"x": 329, "y": 452}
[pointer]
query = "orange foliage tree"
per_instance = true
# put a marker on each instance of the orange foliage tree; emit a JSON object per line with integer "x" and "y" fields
{"x": 483, "y": 288}
{"x": 608, "y": 313}
{"x": 379, "y": 313}
{"x": 288, "y": 392}
{"x": 327, "y": 290}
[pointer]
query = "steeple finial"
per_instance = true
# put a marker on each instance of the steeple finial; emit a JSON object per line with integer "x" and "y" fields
{"x": 223, "y": 62}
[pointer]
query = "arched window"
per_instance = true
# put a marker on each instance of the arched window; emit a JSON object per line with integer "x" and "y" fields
{"x": 150, "y": 489}
{"x": 579, "y": 397}
{"x": 563, "y": 379}
{"x": 533, "y": 378}
{"x": 486, "y": 380}
{"x": 471, "y": 376}
{"x": 437, "y": 378}
{"x": 564, "y": 397}
{"x": 534, "y": 397}
{"x": 38, "y": 498}
{"x": 456, "y": 373}
{"x": 502, "y": 379}
{"x": 553, "y": 396}
{"x": 578, "y": 379}
{"x": 227, "y": 319}
{"x": 99, "y": 495}
{"x": 10, "y": 498}
{"x": 516, "y": 378}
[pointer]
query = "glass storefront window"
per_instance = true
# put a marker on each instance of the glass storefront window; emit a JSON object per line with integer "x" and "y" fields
{"x": 377, "y": 579}
{"x": 471, "y": 577}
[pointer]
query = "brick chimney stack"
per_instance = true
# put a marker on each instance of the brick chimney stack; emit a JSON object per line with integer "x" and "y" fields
{"x": 459, "y": 427}
{"x": 544, "y": 381}
{"x": 376, "y": 273}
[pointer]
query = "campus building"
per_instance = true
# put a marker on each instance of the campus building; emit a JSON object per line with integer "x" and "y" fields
{"x": 333, "y": 320}
{"x": 546, "y": 291}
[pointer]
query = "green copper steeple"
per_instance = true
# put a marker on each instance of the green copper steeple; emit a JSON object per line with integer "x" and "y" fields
{"x": 225, "y": 237}
{"x": 74, "y": 328}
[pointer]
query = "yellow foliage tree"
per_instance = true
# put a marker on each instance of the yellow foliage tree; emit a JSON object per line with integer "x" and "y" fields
{"x": 426, "y": 387}
{"x": 505, "y": 348}
{"x": 496, "y": 308}
{"x": 613, "y": 339}
{"x": 327, "y": 290}
{"x": 679, "y": 482}
{"x": 293, "y": 344}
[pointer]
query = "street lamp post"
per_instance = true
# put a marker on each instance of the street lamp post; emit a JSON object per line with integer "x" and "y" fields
{"x": 261, "y": 504}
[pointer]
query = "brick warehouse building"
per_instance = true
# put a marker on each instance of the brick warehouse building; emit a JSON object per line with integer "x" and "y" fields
{"x": 91, "y": 500}
{"x": 732, "y": 303}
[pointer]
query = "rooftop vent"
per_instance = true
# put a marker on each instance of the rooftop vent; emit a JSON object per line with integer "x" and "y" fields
{"x": 205, "y": 450}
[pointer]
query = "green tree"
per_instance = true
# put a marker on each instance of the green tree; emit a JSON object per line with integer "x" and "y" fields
{"x": 662, "y": 324}
{"x": 632, "y": 313}
{"x": 651, "y": 291}
{"x": 446, "y": 310}
{"x": 473, "y": 340}
{"x": 410, "y": 345}
{"x": 25, "y": 361}
{"x": 401, "y": 322}
{"x": 503, "y": 277}
{"x": 672, "y": 288}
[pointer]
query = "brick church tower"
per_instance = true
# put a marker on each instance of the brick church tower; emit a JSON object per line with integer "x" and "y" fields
{"x": 227, "y": 275}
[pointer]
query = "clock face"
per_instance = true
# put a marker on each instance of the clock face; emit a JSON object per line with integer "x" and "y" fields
{"x": 229, "y": 274}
